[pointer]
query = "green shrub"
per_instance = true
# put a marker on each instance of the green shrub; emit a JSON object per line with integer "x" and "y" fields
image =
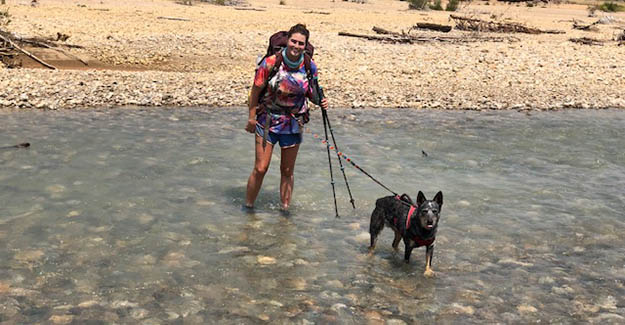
{"x": 436, "y": 5}
{"x": 417, "y": 4}
{"x": 611, "y": 7}
{"x": 220, "y": 2}
{"x": 452, "y": 5}
{"x": 282, "y": 2}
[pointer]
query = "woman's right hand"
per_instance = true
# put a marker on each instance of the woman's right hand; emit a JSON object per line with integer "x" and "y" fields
{"x": 251, "y": 126}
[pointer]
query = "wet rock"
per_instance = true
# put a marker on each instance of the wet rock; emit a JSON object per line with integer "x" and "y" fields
{"x": 515, "y": 262}
{"x": 608, "y": 317}
{"x": 297, "y": 284}
{"x": 88, "y": 304}
{"x": 525, "y": 309}
{"x": 335, "y": 284}
{"x": 73, "y": 214}
{"x": 139, "y": 313}
{"x": 123, "y": 304}
{"x": 61, "y": 319}
{"x": 608, "y": 303}
{"x": 172, "y": 315}
{"x": 338, "y": 306}
{"x": 458, "y": 308}
{"x": 145, "y": 219}
{"x": 55, "y": 189}
{"x": 266, "y": 260}
{"x": 9, "y": 307}
{"x": 4, "y": 287}
{"x": 234, "y": 250}
{"x": 29, "y": 256}
{"x": 374, "y": 318}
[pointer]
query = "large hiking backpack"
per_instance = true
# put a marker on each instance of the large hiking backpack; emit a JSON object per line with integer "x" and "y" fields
{"x": 277, "y": 42}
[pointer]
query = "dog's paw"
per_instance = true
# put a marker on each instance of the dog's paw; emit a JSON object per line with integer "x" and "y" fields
{"x": 429, "y": 273}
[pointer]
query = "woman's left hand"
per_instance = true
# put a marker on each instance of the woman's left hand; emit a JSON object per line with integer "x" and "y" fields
{"x": 324, "y": 103}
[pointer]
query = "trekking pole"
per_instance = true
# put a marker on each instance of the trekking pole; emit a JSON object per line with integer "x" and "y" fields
{"x": 325, "y": 129}
{"x": 324, "y": 113}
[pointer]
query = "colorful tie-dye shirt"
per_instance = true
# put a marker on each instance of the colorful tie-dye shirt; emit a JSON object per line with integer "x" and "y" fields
{"x": 291, "y": 90}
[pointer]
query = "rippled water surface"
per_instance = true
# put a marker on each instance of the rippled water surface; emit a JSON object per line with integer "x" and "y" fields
{"x": 134, "y": 216}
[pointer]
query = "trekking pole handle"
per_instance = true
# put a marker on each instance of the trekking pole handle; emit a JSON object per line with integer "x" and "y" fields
{"x": 319, "y": 92}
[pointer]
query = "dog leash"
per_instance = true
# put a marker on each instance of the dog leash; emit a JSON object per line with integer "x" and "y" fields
{"x": 349, "y": 160}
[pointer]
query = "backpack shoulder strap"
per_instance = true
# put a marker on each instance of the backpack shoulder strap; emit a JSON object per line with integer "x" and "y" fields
{"x": 308, "y": 66}
{"x": 276, "y": 66}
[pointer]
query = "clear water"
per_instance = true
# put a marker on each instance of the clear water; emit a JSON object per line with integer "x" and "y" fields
{"x": 134, "y": 216}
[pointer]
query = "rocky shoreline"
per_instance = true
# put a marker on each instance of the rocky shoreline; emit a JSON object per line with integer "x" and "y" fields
{"x": 207, "y": 64}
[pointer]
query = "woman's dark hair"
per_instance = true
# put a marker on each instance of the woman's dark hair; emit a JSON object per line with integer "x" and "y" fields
{"x": 299, "y": 29}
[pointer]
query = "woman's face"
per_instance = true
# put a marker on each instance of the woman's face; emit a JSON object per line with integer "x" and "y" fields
{"x": 296, "y": 45}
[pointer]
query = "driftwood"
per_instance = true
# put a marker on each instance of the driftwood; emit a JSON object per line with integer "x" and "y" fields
{"x": 472, "y": 24}
{"x": 586, "y": 41}
{"x": 436, "y": 27}
{"x": 317, "y": 12}
{"x": 173, "y": 18}
{"x": 39, "y": 42}
{"x": 30, "y": 55}
{"x": 590, "y": 27}
{"x": 380, "y": 30}
{"x": 245, "y": 8}
{"x": 404, "y": 38}
{"x": 378, "y": 38}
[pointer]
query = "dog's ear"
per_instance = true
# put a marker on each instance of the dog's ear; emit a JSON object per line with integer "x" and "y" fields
{"x": 439, "y": 199}
{"x": 420, "y": 198}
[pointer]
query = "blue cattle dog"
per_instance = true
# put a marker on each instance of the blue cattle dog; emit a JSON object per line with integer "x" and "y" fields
{"x": 415, "y": 224}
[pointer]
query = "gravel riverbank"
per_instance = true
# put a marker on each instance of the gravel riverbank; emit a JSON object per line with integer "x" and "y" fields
{"x": 146, "y": 60}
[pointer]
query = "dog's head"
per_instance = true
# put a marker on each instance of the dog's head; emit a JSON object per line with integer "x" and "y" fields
{"x": 428, "y": 211}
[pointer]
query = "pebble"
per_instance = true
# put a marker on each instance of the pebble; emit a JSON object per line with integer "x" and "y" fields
{"x": 526, "y": 309}
{"x": 61, "y": 319}
{"x": 266, "y": 260}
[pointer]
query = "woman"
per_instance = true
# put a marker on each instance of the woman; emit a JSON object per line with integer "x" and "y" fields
{"x": 279, "y": 116}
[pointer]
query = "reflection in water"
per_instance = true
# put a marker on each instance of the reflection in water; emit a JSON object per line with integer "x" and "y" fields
{"x": 134, "y": 216}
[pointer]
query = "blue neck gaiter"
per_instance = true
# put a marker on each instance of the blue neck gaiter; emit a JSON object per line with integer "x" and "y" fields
{"x": 289, "y": 63}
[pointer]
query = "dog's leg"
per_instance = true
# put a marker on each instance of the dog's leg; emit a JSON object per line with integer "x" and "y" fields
{"x": 396, "y": 240}
{"x": 429, "y": 252}
{"x": 408, "y": 250}
{"x": 375, "y": 227}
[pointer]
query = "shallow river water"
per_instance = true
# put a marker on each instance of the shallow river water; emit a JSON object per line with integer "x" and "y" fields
{"x": 134, "y": 216}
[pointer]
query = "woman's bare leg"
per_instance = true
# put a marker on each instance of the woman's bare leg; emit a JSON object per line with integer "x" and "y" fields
{"x": 287, "y": 166}
{"x": 261, "y": 165}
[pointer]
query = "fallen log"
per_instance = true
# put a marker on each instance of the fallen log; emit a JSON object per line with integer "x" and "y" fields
{"x": 411, "y": 39}
{"x": 478, "y": 25}
{"x": 173, "y": 18}
{"x": 591, "y": 27}
{"x": 244, "y": 8}
{"x": 15, "y": 46}
{"x": 380, "y": 30}
{"x": 317, "y": 12}
{"x": 435, "y": 27}
{"x": 586, "y": 41}
{"x": 378, "y": 38}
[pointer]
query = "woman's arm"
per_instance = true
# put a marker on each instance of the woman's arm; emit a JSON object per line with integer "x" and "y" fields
{"x": 253, "y": 106}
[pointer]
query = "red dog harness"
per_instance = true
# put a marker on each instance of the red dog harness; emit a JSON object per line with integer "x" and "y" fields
{"x": 420, "y": 242}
